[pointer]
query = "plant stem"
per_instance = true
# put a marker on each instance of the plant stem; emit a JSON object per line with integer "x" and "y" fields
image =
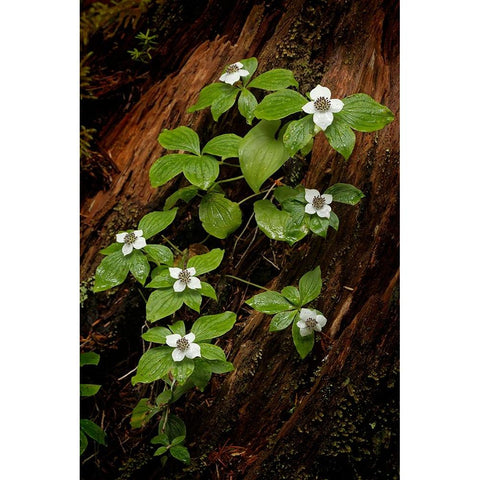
{"x": 230, "y": 179}
{"x": 228, "y": 164}
{"x": 248, "y": 283}
{"x": 172, "y": 245}
{"x": 142, "y": 295}
{"x": 251, "y": 196}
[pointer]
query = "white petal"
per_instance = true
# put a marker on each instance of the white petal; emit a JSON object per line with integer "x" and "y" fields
{"x": 238, "y": 64}
{"x": 301, "y": 324}
{"x": 121, "y": 237}
{"x": 310, "y": 194}
{"x": 320, "y": 91}
{"x": 243, "y": 73}
{"x": 127, "y": 248}
{"x": 139, "y": 242}
{"x": 321, "y": 322}
{"x": 193, "y": 350}
{"x": 224, "y": 77}
{"x": 335, "y": 105}
{"x": 179, "y": 286}
{"x": 191, "y": 271}
{"x": 174, "y": 272}
{"x": 229, "y": 78}
{"x": 327, "y": 197}
{"x": 306, "y": 313}
{"x": 138, "y": 233}
{"x": 309, "y": 208}
{"x": 323, "y": 119}
{"x": 190, "y": 337}
{"x": 309, "y": 107}
{"x": 305, "y": 331}
{"x": 235, "y": 77}
{"x": 194, "y": 283}
{"x": 171, "y": 340}
{"x": 178, "y": 355}
{"x": 324, "y": 212}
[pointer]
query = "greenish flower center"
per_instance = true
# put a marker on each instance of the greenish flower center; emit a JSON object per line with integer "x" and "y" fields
{"x": 232, "y": 69}
{"x": 318, "y": 202}
{"x": 184, "y": 276}
{"x": 322, "y": 104}
{"x": 183, "y": 344}
{"x": 310, "y": 322}
{"x": 130, "y": 238}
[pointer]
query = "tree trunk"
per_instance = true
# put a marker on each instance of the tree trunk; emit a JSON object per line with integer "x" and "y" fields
{"x": 333, "y": 415}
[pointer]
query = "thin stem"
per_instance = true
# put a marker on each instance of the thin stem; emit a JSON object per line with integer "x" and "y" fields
{"x": 228, "y": 164}
{"x": 248, "y": 283}
{"x": 251, "y": 196}
{"x": 142, "y": 295}
{"x": 172, "y": 245}
{"x": 230, "y": 179}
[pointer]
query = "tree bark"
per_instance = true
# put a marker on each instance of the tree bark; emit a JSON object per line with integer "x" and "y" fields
{"x": 333, "y": 415}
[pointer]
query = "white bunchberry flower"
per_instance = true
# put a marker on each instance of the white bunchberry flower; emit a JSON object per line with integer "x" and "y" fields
{"x": 310, "y": 320}
{"x": 184, "y": 346}
{"x": 322, "y": 106}
{"x": 185, "y": 278}
{"x": 131, "y": 240}
{"x": 319, "y": 204}
{"x": 233, "y": 73}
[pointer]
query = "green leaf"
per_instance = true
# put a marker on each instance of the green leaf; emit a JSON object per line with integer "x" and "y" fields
{"x": 153, "y": 365}
{"x": 219, "y": 215}
{"x": 276, "y": 79}
{"x": 333, "y": 220}
{"x": 298, "y": 134}
{"x": 249, "y": 64}
{"x": 282, "y": 320}
{"x": 89, "y": 358}
{"x": 93, "y": 431}
{"x": 206, "y": 262}
{"x": 345, "y": 193}
{"x": 180, "y": 453}
{"x": 164, "y": 398}
{"x": 178, "y": 440}
{"x": 202, "y": 374}
{"x": 261, "y": 154}
{"x": 208, "y": 291}
{"x": 212, "y": 326}
{"x": 269, "y": 302}
{"x": 341, "y": 137}
{"x": 303, "y": 345}
{"x": 284, "y": 193}
{"x": 192, "y": 298}
{"x": 160, "y": 254}
{"x": 221, "y": 104}
{"x": 83, "y": 442}
{"x": 139, "y": 266}
{"x": 247, "y": 104}
{"x": 318, "y": 225}
{"x": 161, "y": 278}
{"x": 154, "y": 222}
{"x": 186, "y": 194}
{"x": 88, "y": 389}
{"x": 180, "y": 138}
{"x": 202, "y": 171}
{"x": 182, "y": 370}
{"x": 310, "y": 285}
{"x": 156, "y": 334}
{"x": 178, "y": 328}
{"x": 142, "y": 413}
{"x": 292, "y": 295}
{"x": 160, "y": 438}
{"x": 364, "y": 114}
{"x": 280, "y": 104}
{"x": 112, "y": 271}
{"x": 218, "y": 366}
{"x": 160, "y": 451}
{"x": 162, "y": 303}
{"x": 175, "y": 427}
{"x": 212, "y": 352}
{"x": 209, "y": 94}
{"x": 114, "y": 247}
{"x": 167, "y": 167}
{"x": 225, "y": 146}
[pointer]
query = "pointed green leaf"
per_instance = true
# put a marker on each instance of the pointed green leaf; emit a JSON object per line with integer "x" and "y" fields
{"x": 156, "y": 334}
{"x": 206, "y": 262}
{"x": 175, "y": 427}
{"x": 88, "y": 389}
{"x": 178, "y": 328}
{"x": 212, "y": 326}
{"x": 201, "y": 374}
{"x": 161, "y": 438}
{"x": 319, "y": 226}
{"x": 249, "y": 64}
{"x": 221, "y": 104}
{"x": 310, "y": 285}
{"x": 182, "y": 370}
{"x": 154, "y": 222}
{"x": 139, "y": 266}
{"x": 114, "y": 247}
{"x": 93, "y": 431}
{"x": 180, "y": 453}
{"x": 180, "y": 138}
{"x": 225, "y": 146}
{"x": 209, "y": 94}
{"x": 280, "y": 104}
{"x": 284, "y": 193}
{"x": 167, "y": 167}
{"x": 292, "y": 295}
{"x": 160, "y": 254}
{"x": 112, "y": 271}
{"x": 201, "y": 171}
{"x": 303, "y": 345}
{"x": 162, "y": 303}
{"x": 153, "y": 365}
{"x": 276, "y": 79}
{"x": 334, "y": 222}
{"x": 186, "y": 194}
{"x": 208, "y": 291}
{"x": 160, "y": 451}
{"x": 345, "y": 193}
{"x": 219, "y": 215}
{"x": 282, "y": 320}
{"x": 212, "y": 352}
{"x": 341, "y": 137}
{"x": 218, "y": 366}
{"x": 161, "y": 278}
{"x": 142, "y": 413}
{"x": 298, "y": 134}
{"x": 191, "y": 298}
{"x": 269, "y": 302}
{"x": 89, "y": 358}
{"x": 247, "y": 103}
{"x": 83, "y": 442}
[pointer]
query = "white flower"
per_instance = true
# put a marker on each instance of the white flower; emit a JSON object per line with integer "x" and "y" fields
{"x": 317, "y": 203}
{"x": 233, "y": 73}
{"x": 131, "y": 240}
{"x": 310, "y": 320}
{"x": 184, "y": 346}
{"x": 322, "y": 106}
{"x": 185, "y": 278}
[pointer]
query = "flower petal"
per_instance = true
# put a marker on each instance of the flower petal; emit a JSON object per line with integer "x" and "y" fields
{"x": 174, "y": 272}
{"x": 323, "y": 119}
{"x": 127, "y": 248}
{"x": 121, "y": 237}
{"x": 321, "y": 322}
{"x": 193, "y": 350}
{"x": 223, "y": 77}
{"x": 335, "y": 105}
{"x": 191, "y": 271}
{"x": 320, "y": 91}
{"x": 310, "y": 194}
{"x": 190, "y": 337}
{"x": 243, "y": 73}
{"x": 194, "y": 283}
{"x": 179, "y": 286}
{"x": 309, "y": 107}
{"x": 238, "y": 64}
{"x": 328, "y": 198}
{"x": 230, "y": 78}
{"x": 305, "y": 332}
{"x": 301, "y": 324}
{"x": 306, "y": 313}
{"x": 171, "y": 340}
{"x": 139, "y": 242}
{"x": 324, "y": 212}
{"x": 309, "y": 208}
{"x": 138, "y": 233}
{"x": 178, "y": 355}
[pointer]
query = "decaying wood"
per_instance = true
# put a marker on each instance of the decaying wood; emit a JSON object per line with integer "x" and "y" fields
{"x": 335, "y": 414}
